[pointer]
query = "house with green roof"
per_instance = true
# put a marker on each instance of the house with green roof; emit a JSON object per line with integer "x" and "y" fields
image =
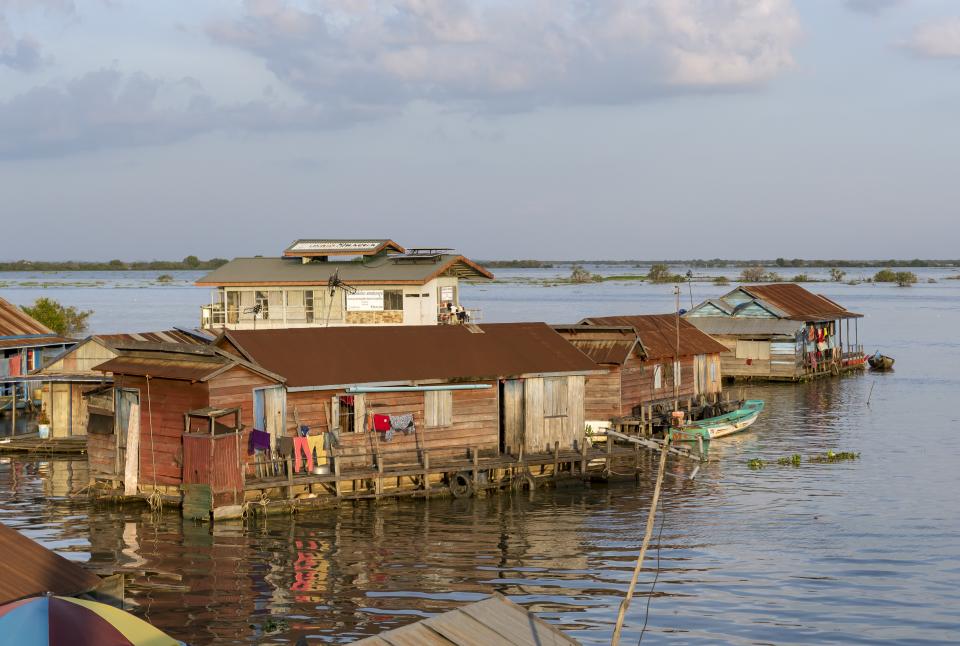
{"x": 341, "y": 282}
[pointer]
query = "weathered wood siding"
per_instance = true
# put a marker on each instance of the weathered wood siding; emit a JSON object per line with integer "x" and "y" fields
{"x": 234, "y": 389}
{"x": 602, "y": 395}
{"x": 81, "y": 360}
{"x": 637, "y": 382}
{"x": 543, "y": 425}
{"x": 161, "y": 425}
{"x": 778, "y": 363}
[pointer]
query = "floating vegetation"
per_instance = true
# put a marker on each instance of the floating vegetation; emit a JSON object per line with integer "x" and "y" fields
{"x": 830, "y": 456}
{"x": 164, "y": 278}
{"x": 791, "y": 461}
{"x": 756, "y": 464}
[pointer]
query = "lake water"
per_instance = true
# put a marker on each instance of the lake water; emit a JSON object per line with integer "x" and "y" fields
{"x": 866, "y": 551}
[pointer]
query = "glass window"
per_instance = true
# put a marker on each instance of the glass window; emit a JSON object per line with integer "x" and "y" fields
{"x": 392, "y": 300}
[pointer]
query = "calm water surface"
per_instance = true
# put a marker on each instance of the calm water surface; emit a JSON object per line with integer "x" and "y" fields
{"x": 859, "y": 552}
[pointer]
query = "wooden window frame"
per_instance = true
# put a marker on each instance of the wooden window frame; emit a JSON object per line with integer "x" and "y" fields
{"x": 560, "y": 398}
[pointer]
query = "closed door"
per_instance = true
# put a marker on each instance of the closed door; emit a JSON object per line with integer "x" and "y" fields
{"x": 511, "y": 416}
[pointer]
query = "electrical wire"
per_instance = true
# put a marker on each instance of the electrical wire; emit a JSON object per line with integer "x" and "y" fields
{"x": 656, "y": 576}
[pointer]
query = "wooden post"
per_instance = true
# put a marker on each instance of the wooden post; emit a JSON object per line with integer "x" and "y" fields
{"x": 426, "y": 469}
{"x": 289, "y": 461}
{"x": 556, "y": 458}
{"x": 609, "y": 453}
{"x": 583, "y": 457}
{"x": 13, "y": 410}
{"x": 378, "y": 486}
{"x": 336, "y": 470}
{"x": 476, "y": 466}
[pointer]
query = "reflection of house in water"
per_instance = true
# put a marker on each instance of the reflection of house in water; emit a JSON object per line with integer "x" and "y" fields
{"x": 64, "y": 477}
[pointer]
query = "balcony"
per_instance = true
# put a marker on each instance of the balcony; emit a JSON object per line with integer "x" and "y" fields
{"x": 462, "y": 316}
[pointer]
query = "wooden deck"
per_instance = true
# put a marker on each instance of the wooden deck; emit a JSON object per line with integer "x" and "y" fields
{"x": 496, "y": 620}
{"x": 32, "y": 444}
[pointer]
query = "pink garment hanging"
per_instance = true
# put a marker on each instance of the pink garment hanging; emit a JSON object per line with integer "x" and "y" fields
{"x": 301, "y": 446}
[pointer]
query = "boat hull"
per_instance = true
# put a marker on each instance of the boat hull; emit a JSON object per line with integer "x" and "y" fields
{"x": 717, "y": 427}
{"x": 880, "y": 362}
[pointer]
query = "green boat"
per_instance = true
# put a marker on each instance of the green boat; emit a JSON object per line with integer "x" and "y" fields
{"x": 714, "y": 427}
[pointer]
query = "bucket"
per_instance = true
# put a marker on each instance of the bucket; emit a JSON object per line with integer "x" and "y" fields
{"x": 44, "y": 431}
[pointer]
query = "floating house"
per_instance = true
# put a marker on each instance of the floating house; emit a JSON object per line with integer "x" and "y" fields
{"x": 162, "y": 395}
{"x": 650, "y": 360}
{"x": 64, "y": 382}
{"x": 25, "y": 344}
{"x": 330, "y": 283}
{"x": 781, "y": 332}
{"x": 493, "y": 389}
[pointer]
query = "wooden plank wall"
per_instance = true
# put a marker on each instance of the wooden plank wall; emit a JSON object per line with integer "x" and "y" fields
{"x": 541, "y": 431}
{"x": 731, "y": 366}
{"x": 602, "y": 395}
{"x": 168, "y": 400}
{"x": 638, "y": 386}
{"x": 102, "y": 454}
{"x": 234, "y": 389}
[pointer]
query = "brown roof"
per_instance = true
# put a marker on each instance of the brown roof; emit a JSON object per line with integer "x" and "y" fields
{"x": 15, "y": 322}
{"x": 367, "y": 355}
{"x": 28, "y": 568}
{"x": 175, "y": 361}
{"x": 605, "y": 345}
{"x": 163, "y": 336}
{"x": 34, "y": 342}
{"x": 658, "y": 333}
{"x": 798, "y": 303}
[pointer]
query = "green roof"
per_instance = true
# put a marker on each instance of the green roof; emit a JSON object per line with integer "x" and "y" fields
{"x": 380, "y": 270}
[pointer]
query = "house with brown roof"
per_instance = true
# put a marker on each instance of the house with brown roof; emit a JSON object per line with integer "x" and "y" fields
{"x": 650, "y": 360}
{"x": 162, "y": 394}
{"x": 339, "y": 282}
{"x": 25, "y": 344}
{"x": 494, "y": 389}
{"x": 65, "y": 381}
{"x": 781, "y": 332}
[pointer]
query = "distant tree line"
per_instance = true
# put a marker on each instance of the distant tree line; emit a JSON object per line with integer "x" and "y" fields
{"x": 190, "y": 262}
{"x": 719, "y": 262}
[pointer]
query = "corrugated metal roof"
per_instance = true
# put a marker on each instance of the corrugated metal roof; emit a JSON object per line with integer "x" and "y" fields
{"x": 15, "y": 322}
{"x": 798, "y": 303}
{"x": 658, "y": 333}
{"x": 34, "y": 342}
{"x": 381, "y": 271}
{"x": 605, "y": 345}
{"x": 28, "y": 568}
{"x": 761, "y": 327}
{"x": 380, "y": 354}
{"x": 162, "y": 336}
{"x": 306, "y": 247}
{"x": 172, "y": 361}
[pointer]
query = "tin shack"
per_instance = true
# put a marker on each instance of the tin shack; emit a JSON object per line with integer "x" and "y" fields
{"x": 496, "y": 389}
{"x": 156, "y": 387}
{"x": 781, "y": 332}
{"x": 651, "y": 360}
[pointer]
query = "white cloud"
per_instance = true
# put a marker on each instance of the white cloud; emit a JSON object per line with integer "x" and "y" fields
{"x": 23, "y": 52}
{"x": 514, "y": 54}
{"x": 936, "y": 39}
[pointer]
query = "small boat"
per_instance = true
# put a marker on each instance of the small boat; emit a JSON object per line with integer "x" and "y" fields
{"x": 714, "y": 427}
{"x": 880, "y": 362}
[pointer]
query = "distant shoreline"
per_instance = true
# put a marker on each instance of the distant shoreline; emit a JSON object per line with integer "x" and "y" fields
{"x": 190, "y": 263}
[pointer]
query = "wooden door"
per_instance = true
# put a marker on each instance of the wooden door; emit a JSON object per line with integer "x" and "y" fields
{"x": 270, "y": 411}
{"x": 125, "y": 398}
{"x": 511, "y": 416}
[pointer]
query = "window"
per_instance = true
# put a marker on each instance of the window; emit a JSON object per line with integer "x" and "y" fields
{"x": 555, "y": 397}
{"x": 261, "y": 306}
{"x": 392, "y": 300}
{"x": 308, "y": 305}
{"x": 657, "y": 377}
{"x": 437, "y": 408}
{"x": 676, "y": 373}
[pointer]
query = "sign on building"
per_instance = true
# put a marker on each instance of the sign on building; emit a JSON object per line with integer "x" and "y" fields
{"x": 369, "y": 300}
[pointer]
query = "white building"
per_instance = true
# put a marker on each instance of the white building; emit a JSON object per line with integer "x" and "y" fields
{"x": 318, "y": 283}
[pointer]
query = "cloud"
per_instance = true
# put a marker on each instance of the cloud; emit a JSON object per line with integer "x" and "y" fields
{"x": 21, "y": 53}
{"x": 936, "y": 39}
{"x": 872, "y": 6}
{"x": 111, "y": 109}
{"x": 375, "y": 55}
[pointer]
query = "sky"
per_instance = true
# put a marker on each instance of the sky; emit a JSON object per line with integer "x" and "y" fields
{"x": 552, "y": 129}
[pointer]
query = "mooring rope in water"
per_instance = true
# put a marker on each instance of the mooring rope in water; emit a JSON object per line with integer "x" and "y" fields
{"x": 651, "y": 516}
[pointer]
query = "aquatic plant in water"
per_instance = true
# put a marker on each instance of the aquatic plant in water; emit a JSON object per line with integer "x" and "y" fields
{"x": 755, "y": 463}
{"x": 793, "y": 460}
{"x": 830, "y": 456}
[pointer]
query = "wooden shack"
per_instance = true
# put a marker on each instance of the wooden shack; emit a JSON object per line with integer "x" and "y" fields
{"x": 155, "y": 387}
{"x": 64, "y": 381}
{"x": 781, "y": 332}
{"x": 645, "y": 364}
{"x": 499, "y": 388}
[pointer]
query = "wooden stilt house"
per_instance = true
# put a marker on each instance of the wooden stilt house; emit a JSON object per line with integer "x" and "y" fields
{"x": 644, "y": 363}
{"x": 161, "y": 394}
{"x": 781, "y": 332}
{"x": 499, "y": 388}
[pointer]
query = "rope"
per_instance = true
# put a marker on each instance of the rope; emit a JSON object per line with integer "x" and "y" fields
{"x": 656, "y": 577}
{"x": 153, "y": 456}
{"x": 155, "y": 500}
{"x": 651, "y": 516}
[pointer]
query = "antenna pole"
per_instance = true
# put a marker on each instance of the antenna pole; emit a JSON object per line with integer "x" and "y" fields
{"x": 676, "y": 350}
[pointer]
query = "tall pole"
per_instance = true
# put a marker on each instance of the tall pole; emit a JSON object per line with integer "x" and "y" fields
{"x": 676, "y": 350}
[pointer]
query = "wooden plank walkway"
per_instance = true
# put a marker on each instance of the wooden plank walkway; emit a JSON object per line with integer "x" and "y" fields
{"x": 32, "y": 444}
{"x": 496, "y": 620}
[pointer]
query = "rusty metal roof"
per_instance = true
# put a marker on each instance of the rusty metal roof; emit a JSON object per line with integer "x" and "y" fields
{"x": 162, "y": 336}
{"x": 798, "y": 303}
{"x": 28, "y": 568}
{"x": 310, "y": 357}
{"x": 15, "y": 322}
{"x": 172, "y": 361}
{"x": 34, "y": 342}
{"x": 658, "y": 333}
{"x": 605, "y": 345}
